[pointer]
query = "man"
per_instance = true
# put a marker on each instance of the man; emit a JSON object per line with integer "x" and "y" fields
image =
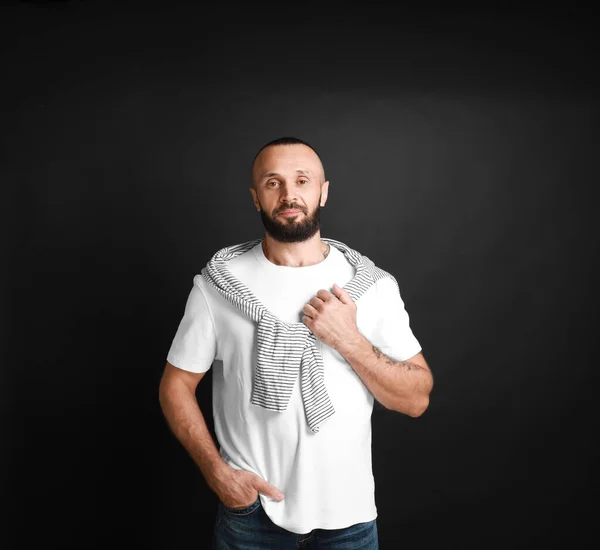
{"x": 305, "y": 333}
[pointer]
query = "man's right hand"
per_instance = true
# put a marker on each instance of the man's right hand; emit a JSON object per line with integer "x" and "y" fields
{"x": 240, "y": 489}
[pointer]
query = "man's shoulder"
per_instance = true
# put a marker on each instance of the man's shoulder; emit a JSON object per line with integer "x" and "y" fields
{"x": 387, "y": 285}
{"x": 231, "y": 252}
{"x": 341, "y": 245}
{"x": 236, "y": 248}
{"x": 234, "y": 255}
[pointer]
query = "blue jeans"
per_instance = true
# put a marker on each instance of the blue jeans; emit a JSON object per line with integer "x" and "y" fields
{"x": 251, "y": 529}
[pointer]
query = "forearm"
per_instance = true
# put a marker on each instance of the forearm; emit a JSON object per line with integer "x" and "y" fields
{"x": 398, "y": 385}
{"x": 186, "y": 421}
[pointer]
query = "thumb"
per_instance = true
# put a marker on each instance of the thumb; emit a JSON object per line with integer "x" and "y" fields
{"x": 343, "y": 296}
{"x": 267, "y": 489}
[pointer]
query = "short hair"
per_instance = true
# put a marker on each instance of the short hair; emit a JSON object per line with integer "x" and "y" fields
{"x": 288, "y": 140}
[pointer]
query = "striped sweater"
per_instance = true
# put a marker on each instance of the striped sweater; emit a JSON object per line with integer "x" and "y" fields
{"x": 286, "y": 349}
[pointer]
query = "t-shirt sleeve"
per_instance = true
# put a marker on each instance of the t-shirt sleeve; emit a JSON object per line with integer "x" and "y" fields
{"x": 194, "y": 346}
{"x": 393, "y": 334}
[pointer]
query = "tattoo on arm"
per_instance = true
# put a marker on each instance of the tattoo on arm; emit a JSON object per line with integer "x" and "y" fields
{"x": 407, "y": 365}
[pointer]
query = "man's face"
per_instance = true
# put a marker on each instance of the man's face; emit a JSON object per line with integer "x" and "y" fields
{"x": 289, "y": 177}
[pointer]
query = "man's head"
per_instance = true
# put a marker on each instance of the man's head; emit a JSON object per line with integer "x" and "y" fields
{"x": 287, "y": 173}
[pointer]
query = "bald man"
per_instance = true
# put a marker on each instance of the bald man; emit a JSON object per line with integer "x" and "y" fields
{"x": 305, "y": 335}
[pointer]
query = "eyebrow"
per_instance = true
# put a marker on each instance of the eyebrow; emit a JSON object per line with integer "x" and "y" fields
{"x": 273, "y": 174}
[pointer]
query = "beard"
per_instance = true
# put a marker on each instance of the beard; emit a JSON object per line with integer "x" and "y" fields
{"x": 288, "y": 230}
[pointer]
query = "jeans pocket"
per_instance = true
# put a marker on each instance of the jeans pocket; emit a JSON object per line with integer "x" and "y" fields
{"x": 242, "y": 511}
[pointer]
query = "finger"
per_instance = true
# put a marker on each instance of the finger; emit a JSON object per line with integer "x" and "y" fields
{"x": 267, "y": 489}
{"x": 325, "y": 295}
{"x": 316, "y": 303}
{"x": 343, "y": 296}
{"x": 309, "y": 310}
{"x": 310, "y": 323}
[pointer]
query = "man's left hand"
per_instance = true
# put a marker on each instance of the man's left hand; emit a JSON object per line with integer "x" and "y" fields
{"x": 331, "y": 317}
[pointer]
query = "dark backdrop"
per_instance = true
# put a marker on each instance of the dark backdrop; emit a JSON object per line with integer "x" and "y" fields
{"x": 462, "y": 152}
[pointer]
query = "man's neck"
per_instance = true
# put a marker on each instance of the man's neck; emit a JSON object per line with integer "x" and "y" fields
{"x": 301, "y": 254}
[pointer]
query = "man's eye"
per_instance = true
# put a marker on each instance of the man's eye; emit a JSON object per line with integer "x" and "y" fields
{"x": 303, "y": 181}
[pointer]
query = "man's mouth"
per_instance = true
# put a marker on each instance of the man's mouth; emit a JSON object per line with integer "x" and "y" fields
{"x": 289, "y": 212}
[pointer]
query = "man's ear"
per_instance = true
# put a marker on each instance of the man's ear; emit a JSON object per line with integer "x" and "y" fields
{"x": 254, "y": 198}
{"x": 324, "y": 192}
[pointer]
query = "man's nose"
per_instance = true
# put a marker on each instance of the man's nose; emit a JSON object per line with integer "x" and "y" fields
{"x": 287, "y": 192}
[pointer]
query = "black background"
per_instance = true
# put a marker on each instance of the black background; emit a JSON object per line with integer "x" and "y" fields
{"x": 462, "y": 149}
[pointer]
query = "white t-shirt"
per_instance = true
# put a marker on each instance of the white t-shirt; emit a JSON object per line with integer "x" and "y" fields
{"x": 326, "y": 477}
